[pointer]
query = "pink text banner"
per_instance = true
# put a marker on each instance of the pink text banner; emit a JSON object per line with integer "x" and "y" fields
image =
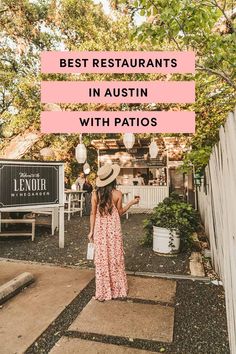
{"x": 118, "y": 122}
{"x": 118, "y": 62}
{"x": 118, "y": 92}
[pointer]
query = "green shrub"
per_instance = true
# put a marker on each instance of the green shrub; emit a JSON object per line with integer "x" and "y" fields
{"x": 175, "y": 215}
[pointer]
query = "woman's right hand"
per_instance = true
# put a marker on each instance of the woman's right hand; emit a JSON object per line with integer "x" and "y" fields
{"x": 90, "y": 236}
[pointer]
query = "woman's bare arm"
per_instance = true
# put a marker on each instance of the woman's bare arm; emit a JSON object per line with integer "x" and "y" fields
{"x": 122, "y": 210}
{"x": 93, "y": 215}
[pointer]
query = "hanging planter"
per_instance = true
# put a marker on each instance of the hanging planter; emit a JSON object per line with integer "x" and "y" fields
{"x": 129, "y": 140}
{"x": 153, "y": 150}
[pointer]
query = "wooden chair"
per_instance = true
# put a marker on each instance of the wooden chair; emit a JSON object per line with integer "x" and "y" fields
{"x": 18, "y": 221}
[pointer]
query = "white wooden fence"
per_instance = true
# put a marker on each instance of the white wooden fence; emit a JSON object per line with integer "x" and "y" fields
{"x": 150, "y": 196}
{"x": 217, "y": 206}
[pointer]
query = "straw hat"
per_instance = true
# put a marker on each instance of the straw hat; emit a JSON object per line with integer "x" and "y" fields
{"x": 106, "y": 174}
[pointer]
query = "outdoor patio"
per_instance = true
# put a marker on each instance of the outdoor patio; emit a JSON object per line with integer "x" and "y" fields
{"x": 178, "y": 315}
{"x": 148, "y": 86}
{"x": 45, "y": 247}
{"x": 183, "y": 314}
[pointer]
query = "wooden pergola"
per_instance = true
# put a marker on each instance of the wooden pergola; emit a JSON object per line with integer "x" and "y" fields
{"x": 175, "y": 145}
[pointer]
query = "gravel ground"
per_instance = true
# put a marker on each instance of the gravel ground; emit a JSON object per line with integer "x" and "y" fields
{"x": 199, "y": 328}
{"x": 45, "y": 247}
{"x": 200, "y": 320}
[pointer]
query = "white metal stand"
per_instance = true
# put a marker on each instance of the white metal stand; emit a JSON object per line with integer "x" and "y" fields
{"x": 61, "y": 227}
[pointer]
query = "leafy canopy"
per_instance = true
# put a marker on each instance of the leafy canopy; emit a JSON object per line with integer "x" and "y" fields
{"x": 208, "y": 28}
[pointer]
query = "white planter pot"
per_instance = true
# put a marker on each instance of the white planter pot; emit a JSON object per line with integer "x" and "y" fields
{"x": 161, "y": 241}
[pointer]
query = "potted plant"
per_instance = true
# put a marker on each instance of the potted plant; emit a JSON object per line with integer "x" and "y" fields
{"x": 171, "y": 225}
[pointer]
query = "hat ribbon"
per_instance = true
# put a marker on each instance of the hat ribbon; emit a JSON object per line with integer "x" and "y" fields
{"x": 110, "y": 174}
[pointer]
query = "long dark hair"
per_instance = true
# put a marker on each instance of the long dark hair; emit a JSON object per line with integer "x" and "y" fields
{"x": 104, "y": 195}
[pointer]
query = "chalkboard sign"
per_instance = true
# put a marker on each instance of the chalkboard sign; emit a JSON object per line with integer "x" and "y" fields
{"x": 25, "y": 184}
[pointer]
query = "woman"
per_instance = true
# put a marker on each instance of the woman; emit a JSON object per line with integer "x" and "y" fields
{"x": 80, "y": 181}
{"x": 105, "y": 232}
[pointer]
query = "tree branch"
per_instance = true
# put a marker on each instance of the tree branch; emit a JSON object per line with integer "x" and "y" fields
{"x": 176, "y": 43}
{"x": 218, "y": 73}
{"x": 4, "y": 10}
{"x": 228, "y": 19}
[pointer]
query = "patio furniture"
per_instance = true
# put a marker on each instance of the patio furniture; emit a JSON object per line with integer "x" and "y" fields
{"x": 53, "y": 212}
{"x": 18, "y": 221}
{"x": 74, "y": 202}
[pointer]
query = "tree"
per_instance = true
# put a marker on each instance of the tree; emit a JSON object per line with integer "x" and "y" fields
{"x": 27, "y": 28}
{"x": 208, "y": 28}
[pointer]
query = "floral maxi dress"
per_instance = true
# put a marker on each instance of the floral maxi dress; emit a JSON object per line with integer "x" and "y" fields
{"x": 111, "y": 281}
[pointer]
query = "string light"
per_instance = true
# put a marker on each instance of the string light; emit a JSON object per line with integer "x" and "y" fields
{"x": 129, "y": 140}
{"x": 81, "y": 152}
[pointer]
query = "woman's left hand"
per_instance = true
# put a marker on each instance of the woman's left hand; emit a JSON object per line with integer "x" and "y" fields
{"x": 90, "y": 236}
{"x": 135, "y": 200}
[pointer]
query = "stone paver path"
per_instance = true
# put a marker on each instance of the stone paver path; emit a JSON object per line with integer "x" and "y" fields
{"x": 24, "y": 317}
{"x": 126, "y": 319}
{"x": 147, "y": 314}
{"x": 155, "y": 289}
{"x": 130, "y": 319}
{"x": 80, "y": 346}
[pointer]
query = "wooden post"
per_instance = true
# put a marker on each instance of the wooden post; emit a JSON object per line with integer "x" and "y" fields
{"x": 56, "y": 221}
{"x": 167, "y": 172}
{"x": 195, "y": 190}
{"x": 98, "y": 158}
{"x": 61, "y": 227}
{"x": 53, "y": 221}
